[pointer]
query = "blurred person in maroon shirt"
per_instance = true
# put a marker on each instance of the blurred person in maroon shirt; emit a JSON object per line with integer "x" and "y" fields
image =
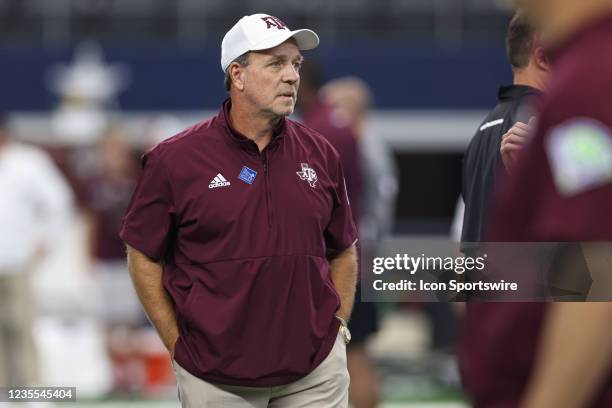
{"x": 339, "y": 128}
{"x": 559, "y": 189}
{"x": 335, "y": 127}
{"x": 351, "y": 97}
{"x": 106, "y": 197}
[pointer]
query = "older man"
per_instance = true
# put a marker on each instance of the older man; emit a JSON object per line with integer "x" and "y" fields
{"x": 241, "y": 240}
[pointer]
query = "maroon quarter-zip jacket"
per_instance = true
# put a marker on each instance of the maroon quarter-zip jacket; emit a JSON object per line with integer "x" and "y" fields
{"x": 243, "y": 237}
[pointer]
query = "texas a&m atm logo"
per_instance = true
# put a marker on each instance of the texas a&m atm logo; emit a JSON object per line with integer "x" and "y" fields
{"x": 307, "y": 174}
{"x": 273, "y": 22}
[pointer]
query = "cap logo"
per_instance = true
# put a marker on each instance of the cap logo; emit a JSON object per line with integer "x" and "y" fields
{"x": 273, "y": 22}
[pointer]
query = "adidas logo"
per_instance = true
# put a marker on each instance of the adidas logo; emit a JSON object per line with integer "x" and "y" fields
{"x": 218, "y": 181}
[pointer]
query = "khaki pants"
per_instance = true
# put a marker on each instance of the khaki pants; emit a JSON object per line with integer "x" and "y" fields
{"x": 18, "y": 358}
{"x": 325, "y": 387}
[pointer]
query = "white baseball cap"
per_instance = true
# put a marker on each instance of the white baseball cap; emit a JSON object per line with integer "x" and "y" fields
{"x": 261, "y": 32}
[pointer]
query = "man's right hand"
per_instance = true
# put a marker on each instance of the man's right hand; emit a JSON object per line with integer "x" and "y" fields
{"x": 514, "y": 140}
{"x": 146, "y": 275}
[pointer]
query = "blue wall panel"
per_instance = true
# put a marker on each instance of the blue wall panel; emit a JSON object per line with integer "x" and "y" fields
{"x": 166, "y": 78}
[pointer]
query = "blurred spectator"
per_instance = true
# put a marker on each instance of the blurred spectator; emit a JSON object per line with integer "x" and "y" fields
{"x": 559, "y": 190}
{"x": 35, "y": 209}
{"x": 335, "y": 125}
{"x": 482, "y": 168}
{"x": 482, "y": 163}
{"x": 351, "y": 98}
{"x": 107, "y": 196}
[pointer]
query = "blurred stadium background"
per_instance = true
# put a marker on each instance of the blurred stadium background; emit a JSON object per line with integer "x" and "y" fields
{"x": 70, "y": 69}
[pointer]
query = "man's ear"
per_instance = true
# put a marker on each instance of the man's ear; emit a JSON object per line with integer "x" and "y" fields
{"x": 236, "y": 74}
{"x": 541, "y": 59}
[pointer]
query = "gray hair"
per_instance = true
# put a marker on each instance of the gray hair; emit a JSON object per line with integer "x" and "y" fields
{"x": 243, "y": 61}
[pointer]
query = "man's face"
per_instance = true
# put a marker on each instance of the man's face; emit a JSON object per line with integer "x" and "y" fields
{"x": 271, "y": 79}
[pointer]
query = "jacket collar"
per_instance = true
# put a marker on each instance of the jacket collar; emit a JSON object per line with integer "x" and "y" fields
{"x": 517, "y": 91}
{"x": 240, "y": 139}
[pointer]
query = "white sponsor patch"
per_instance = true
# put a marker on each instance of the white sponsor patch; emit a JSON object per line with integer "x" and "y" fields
{"x": 580, "y": 155}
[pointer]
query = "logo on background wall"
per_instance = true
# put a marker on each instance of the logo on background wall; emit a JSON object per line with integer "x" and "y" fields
{"x": 273, "y": 22}
{"x": 218, "y": 181}
{"x": 307, "y": 174}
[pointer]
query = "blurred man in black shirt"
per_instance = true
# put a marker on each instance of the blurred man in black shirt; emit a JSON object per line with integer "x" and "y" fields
{"x": 508, "y": 120}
